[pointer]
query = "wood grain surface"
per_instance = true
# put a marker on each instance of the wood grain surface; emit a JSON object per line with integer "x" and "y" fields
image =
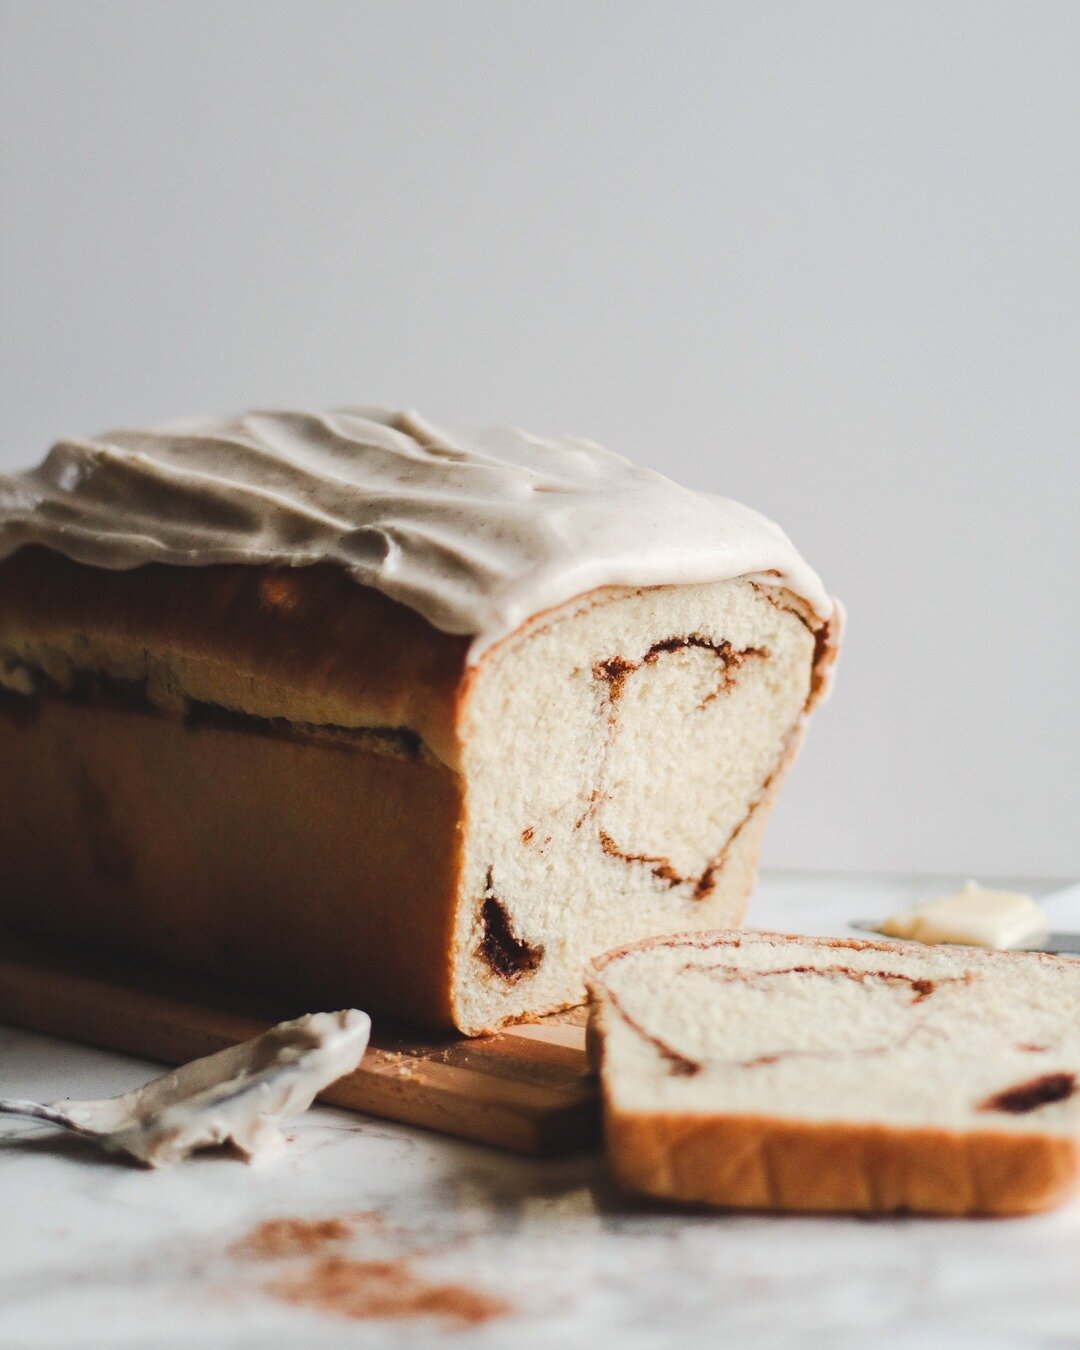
{"x": 526, "y": 1088}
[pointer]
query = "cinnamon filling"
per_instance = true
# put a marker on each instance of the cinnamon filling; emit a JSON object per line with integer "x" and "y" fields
{"x": 104, "y": 690}
{"x": 920, "y": 988}
{"x": 661, "y": 868}
{"x": 509, "y": 956}
{"x": 825, "y": 646}
{"x": 616, "y": 669}
{"x": 1029, "y": 1096}
{"x": 681, "y": 1065}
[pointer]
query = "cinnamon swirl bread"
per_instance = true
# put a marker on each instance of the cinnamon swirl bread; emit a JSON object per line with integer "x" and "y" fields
{"x": 761, "y": 1071}
{"x": 343, "y": 707}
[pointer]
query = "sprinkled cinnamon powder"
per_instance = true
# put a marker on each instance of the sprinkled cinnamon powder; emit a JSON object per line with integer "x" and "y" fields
{"x": 372, "y": 1290}
{"x": 291, "y": 1237}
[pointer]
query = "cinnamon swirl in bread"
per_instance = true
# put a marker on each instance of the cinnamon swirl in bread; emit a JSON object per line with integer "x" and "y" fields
{"x": 345, "y": 707}
{"x": 761, "y": 1071}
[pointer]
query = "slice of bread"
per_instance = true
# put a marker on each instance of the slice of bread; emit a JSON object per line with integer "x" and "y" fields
{"x": 764, "y": 1071}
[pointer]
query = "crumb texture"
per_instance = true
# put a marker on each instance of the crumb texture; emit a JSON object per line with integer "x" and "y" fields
{"x": 810, "y": 1029}
{"x": 647, "y": 733}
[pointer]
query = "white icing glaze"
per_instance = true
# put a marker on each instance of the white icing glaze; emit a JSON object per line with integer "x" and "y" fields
{"x": 237, "y": 1096}
{"x": 477, "y": 533}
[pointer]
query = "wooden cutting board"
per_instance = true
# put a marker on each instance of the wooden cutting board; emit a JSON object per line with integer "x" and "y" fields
{"x": 527, "y": 1088}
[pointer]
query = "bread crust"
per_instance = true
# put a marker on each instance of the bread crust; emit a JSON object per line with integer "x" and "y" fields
{"x": 237, "y": 855}
{"x": 304, "y": 645}
{"x": 768, "y": 1163}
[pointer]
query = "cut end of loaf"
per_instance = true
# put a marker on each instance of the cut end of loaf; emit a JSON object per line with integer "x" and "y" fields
{"x": 764, "y": 1071}
{"x": 620, "y": 757}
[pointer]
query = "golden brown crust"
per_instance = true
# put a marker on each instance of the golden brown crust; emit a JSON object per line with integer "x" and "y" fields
{"x": 304, "y": 644}
{"x": 317, "y": 871}
{"x": 763, "y": 1162}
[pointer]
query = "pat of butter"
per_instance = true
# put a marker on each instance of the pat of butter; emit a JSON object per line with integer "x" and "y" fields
{"x": 972, "y": 917}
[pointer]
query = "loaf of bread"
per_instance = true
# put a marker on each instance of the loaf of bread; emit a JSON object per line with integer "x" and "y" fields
{"x": 343, "y": 707}
{"x": 761, "y": 1071}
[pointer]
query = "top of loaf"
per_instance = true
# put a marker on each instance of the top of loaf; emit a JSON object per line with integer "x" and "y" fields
{"x": 478, "y": 533}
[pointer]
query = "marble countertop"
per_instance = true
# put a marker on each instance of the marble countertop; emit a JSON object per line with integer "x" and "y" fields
{"x": 94, "y": 1252}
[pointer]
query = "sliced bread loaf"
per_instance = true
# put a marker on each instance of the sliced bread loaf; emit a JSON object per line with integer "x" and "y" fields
{"x": 354, "y": 711}
{"x": 762, "y": 1071}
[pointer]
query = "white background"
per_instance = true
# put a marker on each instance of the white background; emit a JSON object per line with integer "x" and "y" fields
{"x": 821, "y": 257}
